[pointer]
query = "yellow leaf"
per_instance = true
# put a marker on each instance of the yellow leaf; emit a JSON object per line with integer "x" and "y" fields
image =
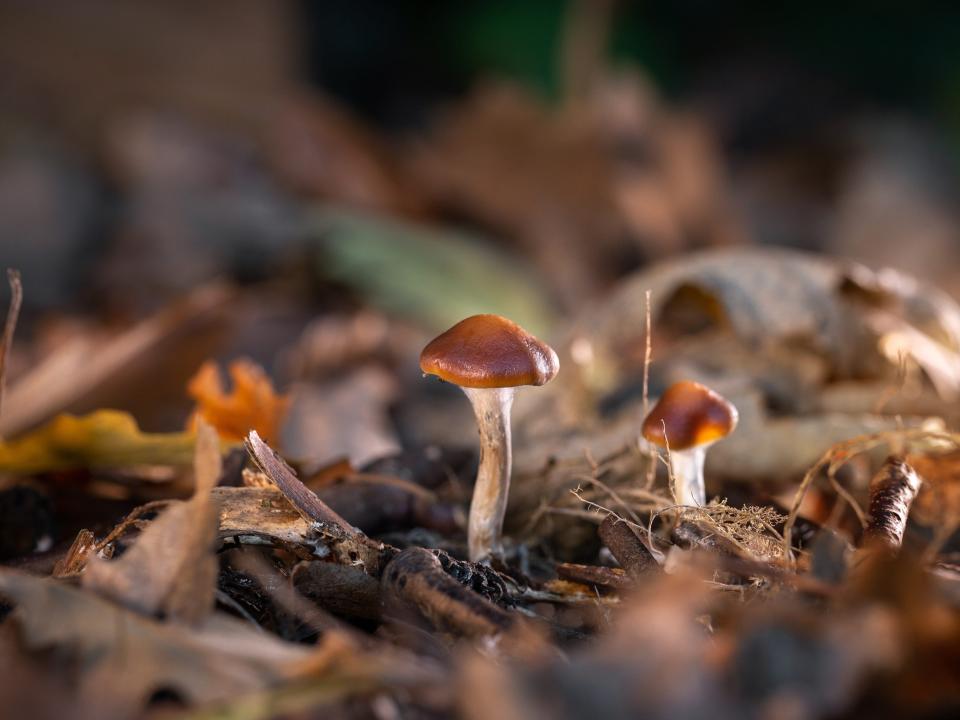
{"x": 104, "y": 438}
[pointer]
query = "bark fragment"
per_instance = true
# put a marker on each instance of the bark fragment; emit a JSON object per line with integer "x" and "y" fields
{"x": 892, "y": 491}
{"x": 627, "y": 548}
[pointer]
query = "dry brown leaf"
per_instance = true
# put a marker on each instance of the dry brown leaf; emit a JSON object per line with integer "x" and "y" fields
{"x": 28, "y": 688}
{"x": 253, "y": 404}
{"x": 938, "y": 503}
{"x": 504, "y": 158}
{"x": 344, "y": 416}
{"x": 91, "y": 371}
{"x": 770, "y": 329}
{"x": 118, "y": 658}
{"x": 320, "y": 150}
{"x": 171, "y": 568}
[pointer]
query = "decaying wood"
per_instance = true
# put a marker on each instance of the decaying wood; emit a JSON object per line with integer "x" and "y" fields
{"x": 892, "y": 491}
{"x": 630, "y": 552}
{"x": 346, "y": 543}
{"x": 415, "y": 578}
{"x": 595, "y": 575}
{"x": 305, "y": 501}
{"x": 272, "y": 515}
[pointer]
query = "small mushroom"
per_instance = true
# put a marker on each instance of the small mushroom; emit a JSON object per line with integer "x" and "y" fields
{"x": 689, "y": 418}
{"x": 489, "y": 356}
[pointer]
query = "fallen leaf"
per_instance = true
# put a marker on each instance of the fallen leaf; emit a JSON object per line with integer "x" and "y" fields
{"x": 347, "y": 415}
{"x": 253, "y": 403}
{"x": 118, "y": 658}
{"x": 104, "y": 438}
{"x": 402, "y": 268}
{"x": 92, "y": 370}
{"x": 938, "y": 503}
{"x": 171, "y": 568}
{"x": 28, "y": 688}
{"x": 504, "y": 158}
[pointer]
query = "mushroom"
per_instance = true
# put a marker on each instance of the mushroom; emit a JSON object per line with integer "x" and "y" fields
{"x": 489, "y": 356}
{"x": 687, "y": 419}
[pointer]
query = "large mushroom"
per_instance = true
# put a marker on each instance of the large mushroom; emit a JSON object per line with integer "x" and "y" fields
{"x": 489, "y": 356}
{"x": 687, "y": 419}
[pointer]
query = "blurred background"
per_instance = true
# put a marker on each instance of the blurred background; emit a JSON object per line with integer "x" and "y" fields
{"x": 321, "y": 186}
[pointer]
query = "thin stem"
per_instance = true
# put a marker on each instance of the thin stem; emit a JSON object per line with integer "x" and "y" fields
{"x": 687, "y": 467}
{"x": 489, "y": 504}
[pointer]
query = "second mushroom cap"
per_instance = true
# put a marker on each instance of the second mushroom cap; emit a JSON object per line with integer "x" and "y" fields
{"x": 691, "y": 414}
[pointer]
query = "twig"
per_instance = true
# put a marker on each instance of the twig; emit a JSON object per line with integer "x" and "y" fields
{"x": 647, "y": 359}
{"x": 13, "y": 312}
{"x": 613, "y": 494}
{"x": 132, "y": 517}
{"x": 847, "y": 497}
{"x": 839, "y": 454}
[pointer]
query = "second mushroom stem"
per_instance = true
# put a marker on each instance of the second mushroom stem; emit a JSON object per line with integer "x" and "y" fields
{"x": 489, "y": 505}
{"x": 687, "y": 468}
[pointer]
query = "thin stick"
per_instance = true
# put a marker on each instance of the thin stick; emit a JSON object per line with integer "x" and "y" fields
{"x": 647, "y": 352}
{"x": 647, "y": 359}
{"x": 848, "y": 498}
{"x": 13, "y": 312}
{"x": 612, "y": 493}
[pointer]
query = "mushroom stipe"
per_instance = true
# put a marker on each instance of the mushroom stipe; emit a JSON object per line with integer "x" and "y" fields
{"x": 488, "y": 356}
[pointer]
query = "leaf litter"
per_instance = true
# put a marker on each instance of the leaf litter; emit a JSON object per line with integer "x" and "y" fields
{"x": 217, "y": 572}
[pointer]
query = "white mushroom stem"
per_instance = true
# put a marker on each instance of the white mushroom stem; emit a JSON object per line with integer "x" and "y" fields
{"x": 687, "y": 468}
{"x": 489, "y": 504}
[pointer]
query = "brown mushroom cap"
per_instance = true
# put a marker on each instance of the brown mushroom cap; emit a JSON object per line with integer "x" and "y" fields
{"x": 489, "y": 351}
{"x": 692, "y": 414}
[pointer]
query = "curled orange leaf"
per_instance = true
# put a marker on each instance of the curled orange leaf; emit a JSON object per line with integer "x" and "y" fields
{"x": 252, "y": 404}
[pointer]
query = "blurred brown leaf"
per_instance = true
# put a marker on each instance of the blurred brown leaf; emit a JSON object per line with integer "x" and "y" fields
{"x": 117, "y": 658}
{"x": 99, "y": 369}
{"x": 171, "y": 568}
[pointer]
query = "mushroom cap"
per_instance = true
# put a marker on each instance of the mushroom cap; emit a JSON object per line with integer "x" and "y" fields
{"x": 489, "y": 351}
{"x": 692, "y": 414}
